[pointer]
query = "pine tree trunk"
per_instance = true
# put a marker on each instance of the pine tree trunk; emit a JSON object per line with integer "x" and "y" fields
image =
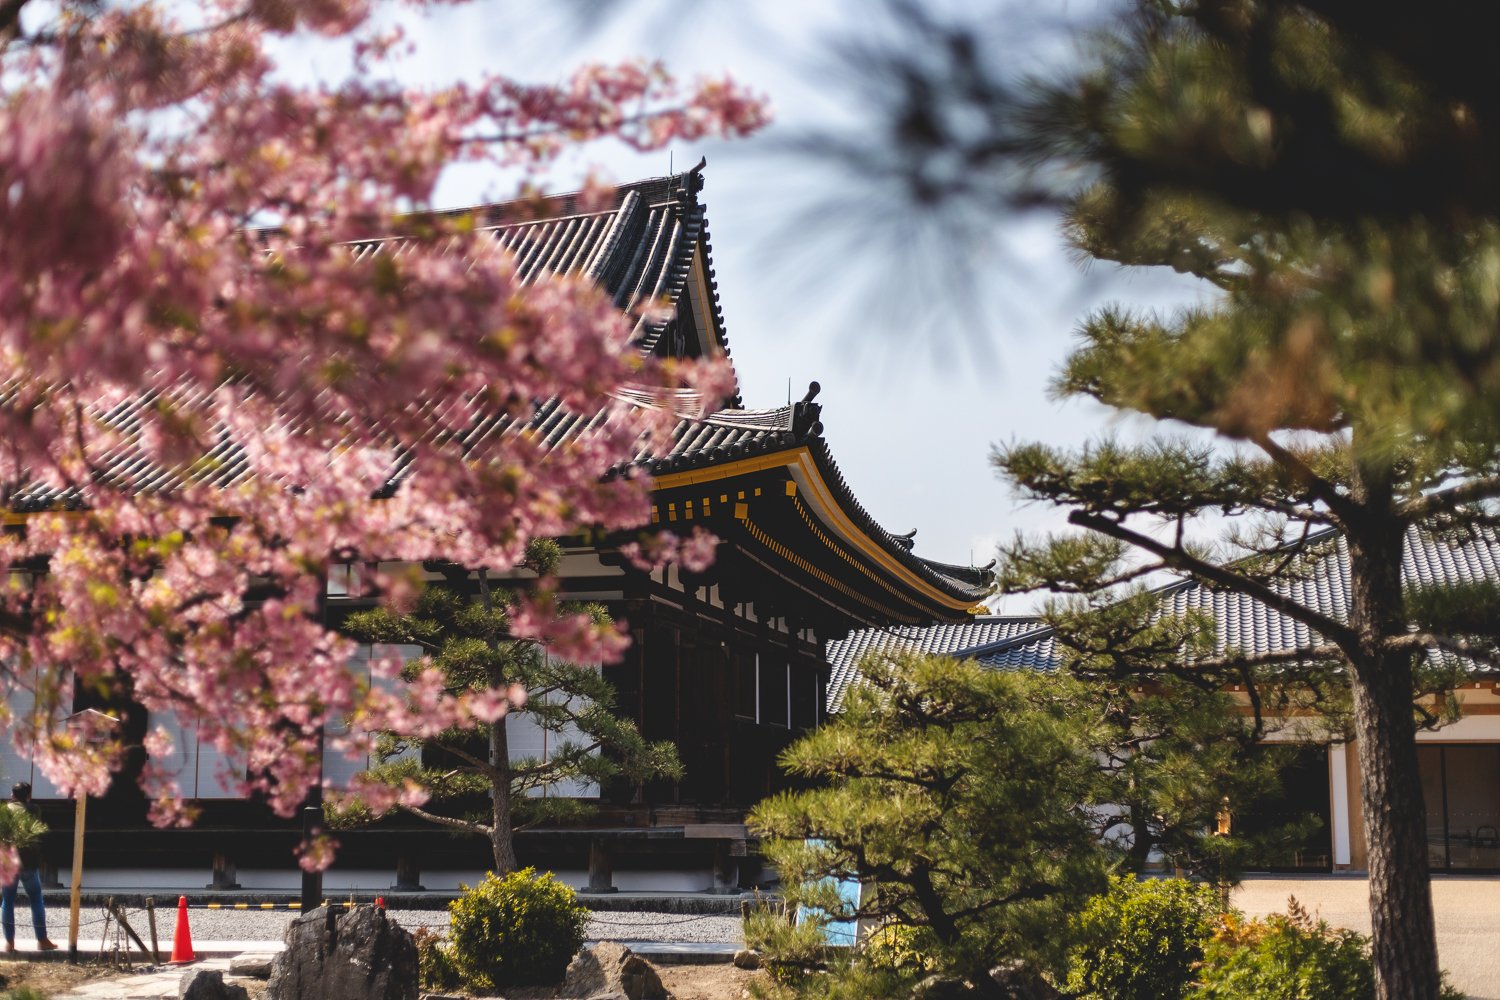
{"x": 502, "y": 839}
{"x": 1404, "y": 935}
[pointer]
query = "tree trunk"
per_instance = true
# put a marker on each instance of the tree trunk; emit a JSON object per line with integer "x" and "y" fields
{"x": 1404, "y": 945}
{"x": 502, "y": 839}
{"x": 1141, "y": 840}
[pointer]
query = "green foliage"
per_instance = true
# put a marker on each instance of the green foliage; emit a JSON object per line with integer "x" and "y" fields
{"x": 18, "y": 828}
{"x": 434, "y": 961}
{"x": 474, "y": 782}
{"x": 24, "y": 993}
{"x": 520, "y": 930}
{"x": 899, "y": 949}
{"x": 960, "y": 796}
{"x": 1292, "y": 957}
{"x": 790, "y": 950}
{"x": 1169, "y": 738}
{"x": 1141, "y": 940}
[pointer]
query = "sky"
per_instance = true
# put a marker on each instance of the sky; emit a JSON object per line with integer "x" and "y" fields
{"x": 911, "y": 410}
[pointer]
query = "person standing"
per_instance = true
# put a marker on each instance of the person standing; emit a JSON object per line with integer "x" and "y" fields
{"x": 30, "y": 877}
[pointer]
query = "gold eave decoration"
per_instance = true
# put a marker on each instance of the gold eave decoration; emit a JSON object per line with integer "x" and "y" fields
{"x": 812, "y": 488}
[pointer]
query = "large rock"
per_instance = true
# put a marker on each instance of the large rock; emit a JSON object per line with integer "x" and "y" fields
{"x": 254, "y": 965}
{"x": 357, "y": 954}
{"x": 202, "y": 984}
{"x": 608, "y": 969}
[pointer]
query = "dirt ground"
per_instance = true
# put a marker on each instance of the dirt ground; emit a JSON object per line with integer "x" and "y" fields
{"x": 686, "y": 982}
{"x": 48, "y": 978}
{"x": 706, "y": 982}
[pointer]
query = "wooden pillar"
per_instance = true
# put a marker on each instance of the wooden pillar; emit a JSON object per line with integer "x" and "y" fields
{"x": 1338, "y": 806}
{"x": 1359, "y": 857}
{"x": 225, "y": 873}
{"x": 601, "y": 867}
{"x": 408, "y": 875}
{"x": 726, "y": 868}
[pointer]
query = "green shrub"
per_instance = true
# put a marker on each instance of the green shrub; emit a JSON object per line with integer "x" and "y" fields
{"x": 898, "y": 948}
{"x": 520, "y": 930}
{"x": 434, "y": 962}
{"x": 1285, "y": 958}
{"x": 1140, "y": 940}
{"x": 1292, "y": 957}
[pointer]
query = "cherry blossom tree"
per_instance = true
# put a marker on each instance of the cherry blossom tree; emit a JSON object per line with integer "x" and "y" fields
{"x": 211, "y": 389}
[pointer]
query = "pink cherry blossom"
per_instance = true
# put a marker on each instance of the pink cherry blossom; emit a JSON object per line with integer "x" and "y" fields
{"x": 213, "y": 390}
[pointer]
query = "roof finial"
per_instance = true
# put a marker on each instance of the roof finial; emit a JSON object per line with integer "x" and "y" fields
{"x": 813, "y": 389}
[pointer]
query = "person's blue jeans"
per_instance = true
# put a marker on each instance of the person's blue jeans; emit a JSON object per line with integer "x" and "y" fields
{"x": 31, "y": 880}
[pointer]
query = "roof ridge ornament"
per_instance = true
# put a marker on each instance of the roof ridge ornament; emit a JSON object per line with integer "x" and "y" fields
{"x": 692, "y": 181}
{"x": 805, "y": 413}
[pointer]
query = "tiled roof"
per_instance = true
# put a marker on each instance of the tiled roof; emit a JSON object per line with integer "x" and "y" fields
{"x": 1243, "y": 623}
{"x": 950, "y": 639}
{"x": 639, "y": 248}
{"x": 1246, "y": 625}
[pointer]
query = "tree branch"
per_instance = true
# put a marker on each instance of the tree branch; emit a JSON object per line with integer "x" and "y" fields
{"x": 1485, "y": 653}
{"x": 1341, "y": 509}
{"x": 482, "y": 766}
{"x": 1317, "y": 651}
{"x": 1450, "y": 499}
{"x": 467, "y": 825}
{"x": 1180, "y": 560}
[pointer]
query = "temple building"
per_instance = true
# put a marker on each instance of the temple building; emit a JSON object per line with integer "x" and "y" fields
{"x": 1460, "y": 762}
{"x": 728, "y": 664}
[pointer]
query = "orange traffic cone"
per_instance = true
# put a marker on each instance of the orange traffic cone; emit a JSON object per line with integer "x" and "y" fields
{"x": 182, "y": 938}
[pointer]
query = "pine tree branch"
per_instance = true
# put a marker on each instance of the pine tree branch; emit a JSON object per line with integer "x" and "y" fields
{"x": 478, "y": 763}
{"x": 466, "y": 825}
{"x": 1341, "y": 509}
{"x": 1447, "y": 500}
{"x": 1179, "y": 559}
{"x": 1301, "y": 654}
{"x": 1485, "y": 653}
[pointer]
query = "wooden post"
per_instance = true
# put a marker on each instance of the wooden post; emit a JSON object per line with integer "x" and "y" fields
{"x": 601, "y": 867}
{"x": 151, "y": 919}
{"x": 408, "y": 875}
{"x": 76, "y": 887}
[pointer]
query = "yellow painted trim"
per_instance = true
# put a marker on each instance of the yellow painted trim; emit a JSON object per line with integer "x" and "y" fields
{"x": 881, "y": 557}
{"x": 801, "y": 458}
{"x": 729, "y": 470}
{"x": 827, "y": 579}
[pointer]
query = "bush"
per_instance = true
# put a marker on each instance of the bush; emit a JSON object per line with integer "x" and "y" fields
{"x": 434, "y": 961}
{"x": 898, "y": 948}
{"x": 1292, "y": 957}
{"x": 520, "y": 930}
{"x": 1140, "y": 940}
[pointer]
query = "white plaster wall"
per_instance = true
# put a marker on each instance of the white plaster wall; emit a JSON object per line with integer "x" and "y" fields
{"x": 337, "y": 881}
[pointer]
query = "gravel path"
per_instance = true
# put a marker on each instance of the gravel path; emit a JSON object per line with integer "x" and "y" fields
{"x": 1467, "y": 912}
{"x": 259, "y": 925}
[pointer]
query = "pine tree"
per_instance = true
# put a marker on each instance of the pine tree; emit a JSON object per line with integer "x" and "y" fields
{"x": 1325, "y": 168}
{"x": 469, "y": 641}
{"x": 1329, "y": 467}
{"x": 1172, "y": 742}
{"x": 960, "y": 797}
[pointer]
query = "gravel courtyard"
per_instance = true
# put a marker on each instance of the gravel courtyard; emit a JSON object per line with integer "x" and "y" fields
{"x": 262, "y": 925}
{"x": 1468, "y": 919}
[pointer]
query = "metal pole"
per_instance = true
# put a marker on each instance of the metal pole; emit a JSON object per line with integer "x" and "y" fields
{"x": 312, "y": 807}
{"x": 312, "y": 825}
{"x": 76, "y": 887}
